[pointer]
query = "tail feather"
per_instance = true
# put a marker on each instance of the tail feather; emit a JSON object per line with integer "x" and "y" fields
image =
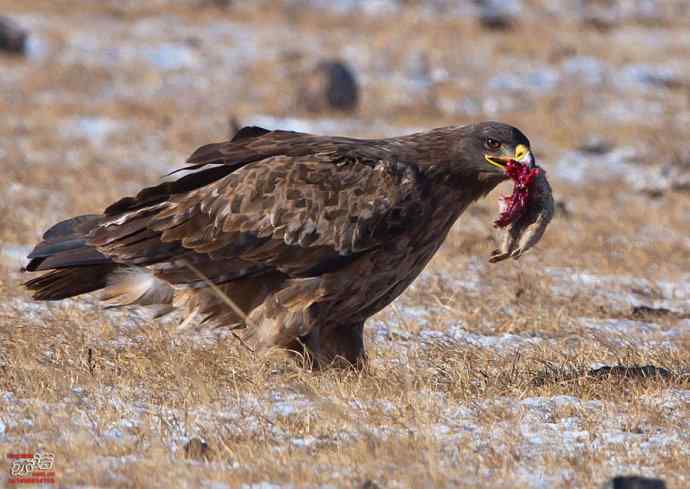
{"x": 77, "y": 268}
{"x": 68, "y": 282}
{"x": 72, "y": 228}
{"x": 77, "y": 257}
{"x": 64, "y": 245}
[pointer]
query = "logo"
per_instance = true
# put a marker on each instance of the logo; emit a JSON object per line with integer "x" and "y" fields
{"x": 31, "y": 468}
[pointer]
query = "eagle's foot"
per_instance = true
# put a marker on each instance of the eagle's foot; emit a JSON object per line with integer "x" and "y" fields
{"x": 339, "y": 346}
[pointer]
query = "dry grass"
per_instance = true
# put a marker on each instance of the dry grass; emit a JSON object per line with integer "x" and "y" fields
{"x": 478, "y": 374}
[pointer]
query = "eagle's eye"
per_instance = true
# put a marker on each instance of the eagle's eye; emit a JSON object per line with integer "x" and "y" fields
{"x": 492, "y": 144}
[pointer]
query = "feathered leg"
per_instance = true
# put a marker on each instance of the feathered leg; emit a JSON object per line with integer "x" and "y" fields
{"x": 340, "y": 346}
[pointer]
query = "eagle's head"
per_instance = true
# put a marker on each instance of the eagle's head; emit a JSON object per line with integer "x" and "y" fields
{"x": 490, "y": 152}
{"x": 489, "y": 147}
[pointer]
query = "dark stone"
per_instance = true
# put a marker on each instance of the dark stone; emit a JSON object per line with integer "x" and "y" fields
{"x": 643, "y": 311}
{"x": 596, "y": 146}
{"x": 495, "y": 21}
{"x": 197, "y": 449}
{"x": 495, "y": 15}
{"x": 12, "y": 37}
{"x": 636, "y": 371}
{"x": 369, "y": 484}
{"x": 598, "y": 23}
{"x": 634, "y": 482}
{"x": 331, "y": 85}
{"x": 219, "y": 4}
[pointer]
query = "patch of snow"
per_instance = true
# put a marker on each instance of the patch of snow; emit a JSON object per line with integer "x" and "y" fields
{"x": 537, "y": 80}
{"x": 648, "y": 76}
{"x": 467, "y": 278}
{"x": 532, "y": 478}
{"x": 266, "y": 485}
{"x": 215, "y": 485}
{"x": 304, "y": 442}
{"x": 623, "y": 291}
{"x": 171, "y": 56}
{"x": 15, "y": 254}
{"x": 501, "y": 7}
{"x": 589, "y": 70}
{"x": 642, "y": 112}
{"x": 367, "y": 7}
{"x": 340, "y": 126}
{"x": 124, "y": 428}
{"x": 625, "y": 332}
{"x": 14, "y": 190}
{"x": 286, "y": 404}
{"x": 96, "y": 130}
{"x": 501, "y": 342}
{"x": 660, "y": 178}
{"x": 582, "y": 167}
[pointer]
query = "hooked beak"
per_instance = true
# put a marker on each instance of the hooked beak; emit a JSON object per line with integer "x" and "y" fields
{"x": 522, "y": 155}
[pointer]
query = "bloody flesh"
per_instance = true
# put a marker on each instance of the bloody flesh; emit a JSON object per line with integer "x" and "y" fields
{"x": 513, "y": 206}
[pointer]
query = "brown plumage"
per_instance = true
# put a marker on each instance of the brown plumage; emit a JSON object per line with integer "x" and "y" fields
{"x": 308, "y": 235}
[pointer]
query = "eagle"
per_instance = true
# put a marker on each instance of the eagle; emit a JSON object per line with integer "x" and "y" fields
{"x": 291, "y": 240}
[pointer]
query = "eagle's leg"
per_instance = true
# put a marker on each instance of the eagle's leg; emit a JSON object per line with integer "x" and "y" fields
{"x": 311, "y": 347}
{"x": 341, "y": 345}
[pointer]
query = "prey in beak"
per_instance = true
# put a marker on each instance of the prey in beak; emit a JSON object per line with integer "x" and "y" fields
{"x": 522, "y": 155}
{"x": 521, "y": 169}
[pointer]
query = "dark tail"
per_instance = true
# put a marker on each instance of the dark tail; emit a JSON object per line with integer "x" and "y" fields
{"x": 77, "y": 268}
{"x": 68, "y": 282}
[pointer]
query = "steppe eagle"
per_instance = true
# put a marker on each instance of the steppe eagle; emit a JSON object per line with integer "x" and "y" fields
{"x": 308, "y": 236}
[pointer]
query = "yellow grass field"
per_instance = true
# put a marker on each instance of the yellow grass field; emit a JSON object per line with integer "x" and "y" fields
{"x": 480, "y": 375}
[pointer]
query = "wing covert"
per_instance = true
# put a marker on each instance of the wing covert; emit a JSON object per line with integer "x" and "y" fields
{"x": 297, "y": 213}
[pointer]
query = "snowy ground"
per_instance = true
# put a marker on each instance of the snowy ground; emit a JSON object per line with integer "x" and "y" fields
{"x": 481, "y": 375}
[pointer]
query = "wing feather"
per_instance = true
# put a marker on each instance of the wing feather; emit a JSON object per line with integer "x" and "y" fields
{"x": 313, "y": 210}
{"x": 290, "y": 202}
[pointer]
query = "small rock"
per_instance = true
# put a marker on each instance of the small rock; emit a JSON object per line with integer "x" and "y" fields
{"x": 219, "y": 4}
{"x": 634, "y": 482}
{"x": 370, "y": 484}
{"x": 598, "y": 23}
{"x": 643, "y": 311}
{"x": 497, "y": 15}
{"x": 596, "y": 146}
{"x": 197, "y": 449}
{"x": 635, "y": 371}
{"x": 12, "y": 37}
{"x": 331, "y": 85}
{"x": 495, "y": 21}
{"x": 656, "y": 181}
